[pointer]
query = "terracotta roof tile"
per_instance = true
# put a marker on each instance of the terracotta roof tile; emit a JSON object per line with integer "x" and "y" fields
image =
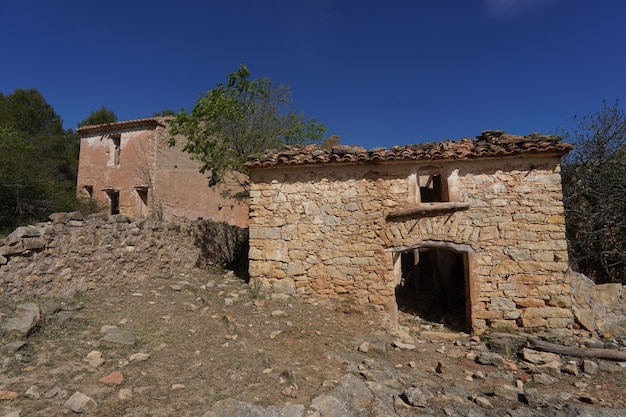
{"x": 491, "y": 143}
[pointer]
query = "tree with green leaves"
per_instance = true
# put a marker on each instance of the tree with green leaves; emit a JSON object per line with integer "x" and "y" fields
{"x": 28, "y": 112}
{"x": 38, "y": 160}
{"x": 99, "y": 117}
{"x": 594, "y": 192}
{"x": 19, "y": 187}
{"x": 238, "y": 119}
{"x": 165, "y": 113}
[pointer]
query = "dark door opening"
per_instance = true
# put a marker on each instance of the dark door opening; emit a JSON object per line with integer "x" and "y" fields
{"x": 434, "y": 286}
{"x": 114, "y": 196}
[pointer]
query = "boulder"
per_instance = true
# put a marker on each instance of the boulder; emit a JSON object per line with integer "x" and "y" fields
{"x": 28, "y": 318}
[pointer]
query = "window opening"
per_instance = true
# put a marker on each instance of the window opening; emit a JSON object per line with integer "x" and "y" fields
{"x": 114, "y": 196}
{"x": 431, "y": 188}
{"x": 143, "y": 202}
{"x": 116, "y": 150}
{"x": 88, "y": 190}
{"x": 434, "y": 286}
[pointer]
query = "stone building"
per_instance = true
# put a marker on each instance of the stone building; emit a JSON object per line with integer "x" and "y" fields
{"x": 468, "y": 232}
{"x": 129, "y": 168}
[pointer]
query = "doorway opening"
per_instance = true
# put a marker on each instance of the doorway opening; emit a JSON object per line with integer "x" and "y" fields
{"x": 114, "y": 196}
{"x": 434, "y": 285}
{"x": 142, "y": 193}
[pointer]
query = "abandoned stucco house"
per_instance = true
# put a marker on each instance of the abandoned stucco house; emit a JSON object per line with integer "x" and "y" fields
{"x": 470, "y": 230}
{"x": 129, "y": 168}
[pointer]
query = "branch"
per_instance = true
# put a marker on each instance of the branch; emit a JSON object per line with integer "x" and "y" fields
{"x": 613, "y": 355}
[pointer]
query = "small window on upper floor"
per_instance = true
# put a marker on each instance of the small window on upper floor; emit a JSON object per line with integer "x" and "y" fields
{"x": 432, "y": 191}
{"x": 432, "y": 188}
{"x": 428, "y": 185}
{"x": 115, "y": 150}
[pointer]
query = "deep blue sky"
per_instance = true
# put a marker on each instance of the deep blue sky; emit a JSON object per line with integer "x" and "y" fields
{"x": 375, "y": 73}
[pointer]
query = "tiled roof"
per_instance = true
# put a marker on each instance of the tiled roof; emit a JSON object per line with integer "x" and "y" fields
{"x": 491, "y": 143}
{"x": 128, "y": 124}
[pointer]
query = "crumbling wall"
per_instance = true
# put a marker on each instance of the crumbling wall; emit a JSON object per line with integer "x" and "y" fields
{"x": 599, "y": 309}
{"x": 325, "y": 231}
{"x": 72, "y": 254}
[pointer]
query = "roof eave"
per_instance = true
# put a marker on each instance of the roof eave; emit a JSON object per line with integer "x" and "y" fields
{"x": 292, "y": 165}
{"x": 116, "y": 126}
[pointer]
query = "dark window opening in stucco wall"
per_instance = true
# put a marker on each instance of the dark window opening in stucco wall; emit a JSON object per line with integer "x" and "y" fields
{"x": 117, "y": 149}
{"x": 88, "y": 190}
{"x": 114, "y": 196}
{"x": 433, "y": 286}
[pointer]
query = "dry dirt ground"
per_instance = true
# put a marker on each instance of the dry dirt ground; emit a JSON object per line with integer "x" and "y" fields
{"x": 209, "y": 338}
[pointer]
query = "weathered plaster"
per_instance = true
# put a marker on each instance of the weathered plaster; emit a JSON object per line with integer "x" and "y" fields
{"x": 174, "y": 186}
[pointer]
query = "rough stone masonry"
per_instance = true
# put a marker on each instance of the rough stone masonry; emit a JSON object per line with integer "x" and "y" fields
{"x": 72, "y": 253}
{"x": 335, "y": 222}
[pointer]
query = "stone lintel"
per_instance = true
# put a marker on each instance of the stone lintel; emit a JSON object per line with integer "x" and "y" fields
{"x": 426, "y": 209}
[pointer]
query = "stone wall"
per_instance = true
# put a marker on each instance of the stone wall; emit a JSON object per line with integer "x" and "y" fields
{"x": 599, "y": 309}
{"x": 70, "y": 253}
{"x": 326, "y": 231}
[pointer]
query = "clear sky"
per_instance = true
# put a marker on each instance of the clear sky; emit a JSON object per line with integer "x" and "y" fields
{"x": 377, "y": 73}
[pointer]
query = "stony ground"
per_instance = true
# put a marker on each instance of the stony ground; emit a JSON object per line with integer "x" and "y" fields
{"x": 201, "y": 343}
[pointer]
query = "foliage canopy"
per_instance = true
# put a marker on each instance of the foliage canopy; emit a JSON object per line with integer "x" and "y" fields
{"x": 238, "y": 119}
{"x": 99, "y": 117}
{"x": 38, "y": 160}
{"x": 594, "y": 192}
{"x": 164, "y": 113}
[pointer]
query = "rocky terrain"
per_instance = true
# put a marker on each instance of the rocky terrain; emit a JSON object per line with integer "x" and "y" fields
{"x": 200, "y": 343}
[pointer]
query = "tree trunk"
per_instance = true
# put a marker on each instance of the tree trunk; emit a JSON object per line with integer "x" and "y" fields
{"x": 612, "y": 355}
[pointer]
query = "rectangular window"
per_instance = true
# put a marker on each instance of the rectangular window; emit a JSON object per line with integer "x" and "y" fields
{"x": 428, "y": 185}
{"x": 143, "y": 202}
{"x": 115, "y": 149}
{"x": 114, "y": 196}
{"x": 432, "y": 188}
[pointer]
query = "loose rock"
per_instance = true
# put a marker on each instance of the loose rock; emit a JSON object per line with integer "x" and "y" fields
{"x": 590, "y": 367}
{"x": 8, "y": 395}
{"x": 139, "y": 357}
{"x": 114, "y": 378}
{"x": 33, "y": 393}
{"x": 402, "y": 345}
{"x": 125, "y": 394}
{"x": 119, "y": 336}
{"x": 80, "y": 403}
{"x": 28, "y": 318}
{"x": 490, "y": 358}
{"x": 418, "y": 397}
